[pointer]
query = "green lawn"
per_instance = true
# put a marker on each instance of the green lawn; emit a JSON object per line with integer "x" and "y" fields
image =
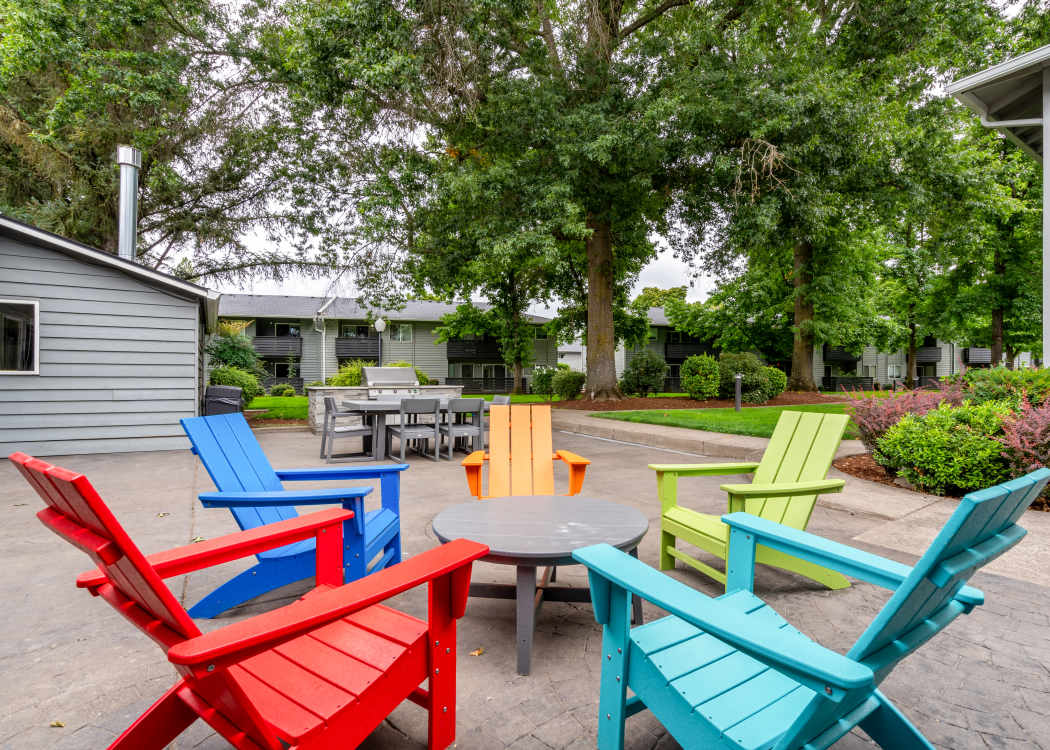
{"x": 281, "y": 407}
{"x": 757, "y": 420}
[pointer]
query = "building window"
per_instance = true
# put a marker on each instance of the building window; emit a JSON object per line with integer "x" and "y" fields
{"x": 869, "y": 371}
{"x": 282, "y": 368}
{"x": 401, "y": 333}
{"x": 19, "y": 337}
{"x": 893, "y": 372}
{"x": 355, "y": 331}
{"x": 277, "y": 328}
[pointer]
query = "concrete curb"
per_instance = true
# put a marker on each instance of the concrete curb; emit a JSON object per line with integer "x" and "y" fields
{"x": 717, "y": 444}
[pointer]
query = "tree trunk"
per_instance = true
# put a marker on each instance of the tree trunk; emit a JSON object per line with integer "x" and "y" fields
{"x": 601, "y": 338}
{"x": 802, "y": 347}
{"x": 997, "y": 337}
{"x": 1011, "y": 357}
{"x": 913, "y": 366}
{"x": 519, "y": 372}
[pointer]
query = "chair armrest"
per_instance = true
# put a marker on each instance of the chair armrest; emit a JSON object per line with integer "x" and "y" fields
{"x": 477, "y": 458}
{"x": 241, "y": 640}
{"x": 786, "y": 489}
{"x": 822, "y": 669}
{"x": 841, "y": 557}
{"x": 339, "y": 472}
{"x": 706, "y": 470}
{"x": 281, "y": 497}
{"x": 571, "y": 458}
{"x": 472, "y": 464}
{"x": 191, "y": 557}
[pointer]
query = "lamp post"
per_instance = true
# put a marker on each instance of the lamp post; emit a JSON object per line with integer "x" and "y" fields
{"x": 380, "y": 326}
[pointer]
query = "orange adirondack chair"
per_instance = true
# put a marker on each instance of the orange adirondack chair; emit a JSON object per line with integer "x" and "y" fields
{"x": 320, "y": 673}
{"x": 521, "y": 455}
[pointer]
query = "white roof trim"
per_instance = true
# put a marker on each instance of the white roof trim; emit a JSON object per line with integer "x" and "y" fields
{"x": 76, "y": 249}
{"x": 1000, "y": 71}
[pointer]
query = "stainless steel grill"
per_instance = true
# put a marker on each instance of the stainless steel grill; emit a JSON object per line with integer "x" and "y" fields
{"x": 387, "y": 382}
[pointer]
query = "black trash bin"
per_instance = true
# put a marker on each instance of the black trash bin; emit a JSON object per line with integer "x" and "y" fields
{"x": 222, "y": 399}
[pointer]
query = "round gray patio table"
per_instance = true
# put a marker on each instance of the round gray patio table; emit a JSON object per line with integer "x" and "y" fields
{"x": 533, "y": 531}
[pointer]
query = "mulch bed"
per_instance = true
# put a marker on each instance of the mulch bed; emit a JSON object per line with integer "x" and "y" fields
{"x": 788, "y": 398}
{"x": 863, "y": 466}
{"x": 275, "y": 422}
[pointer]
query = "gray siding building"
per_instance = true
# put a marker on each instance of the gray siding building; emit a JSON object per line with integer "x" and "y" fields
{"x": 304, "y": 339}
{"x": 97, "y": 354}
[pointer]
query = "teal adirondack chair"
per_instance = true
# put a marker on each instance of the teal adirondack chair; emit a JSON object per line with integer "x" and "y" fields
{"x": 254, "y": 493}
{"x": 787, "y": 481}
{"x": 732, "y": 673}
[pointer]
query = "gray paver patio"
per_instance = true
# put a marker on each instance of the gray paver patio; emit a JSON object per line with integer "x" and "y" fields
{"x": 64, "y": 656}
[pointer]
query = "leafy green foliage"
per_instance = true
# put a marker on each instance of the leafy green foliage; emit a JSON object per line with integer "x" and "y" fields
{"x": 644, "y": 374}
{"x": 282, "y": 390}
{"x": 948, "y": 449}
{"x": 754, "y": 386}
{"x": 314, "y": 384}
{"x": 234, "y": 349}
{"x": 505, "y": 321}
{"x": 653, "y": 296}
{"x": 235, "y": 376}
{"x": 568, "y": 384}
{"x": 700, "y": 376}
{"x": 350, "y": 373}
{"x": 1001, "y": 384}
{"x": 777, "y": 381}
{"x": 543, "y": 380}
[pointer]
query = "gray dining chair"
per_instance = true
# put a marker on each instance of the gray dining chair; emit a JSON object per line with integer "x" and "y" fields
{"x": 332, "y": 430}
{"x": 458, "y": 427}
{"x": 496, "y": 401}
{"x": 410, "y": 428}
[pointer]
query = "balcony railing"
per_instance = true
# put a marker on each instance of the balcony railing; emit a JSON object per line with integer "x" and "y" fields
{"x": 977, "y": 356}
{"x": 681, "y": 351}
{"x": 487, "y": 385}
{"x": 849, "y": 383}
{"x": 838, "y": 354}
{"x": 928, "y": 354}
{"x": 357, "y": 347}
{"x": 475, "y": 350}
{"x": 274, "y": 347}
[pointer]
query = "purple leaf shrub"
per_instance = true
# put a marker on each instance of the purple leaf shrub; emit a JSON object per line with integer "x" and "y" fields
{"x": 874, "y": 416}
{"x": 1026, "y": 438}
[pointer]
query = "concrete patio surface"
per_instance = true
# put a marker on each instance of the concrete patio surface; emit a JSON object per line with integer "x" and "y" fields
{"x": 68, "y": 657}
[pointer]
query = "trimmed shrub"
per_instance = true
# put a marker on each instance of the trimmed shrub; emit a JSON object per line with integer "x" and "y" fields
{"x": 233, "y": 350}
{"x": 875, "y": 416}
{"x": 948, "y": 449}
{"x": 235, "y": 376}
{"x": 998, "y": 383}
{"x": 282, "y": 389}
{"x": 349, "y": 373}
{"x": 700, "y": 376}
{"x": 543, "y": 380}
{"x": 778, "y": 381}
{"x": 568, "y": 384}
{"x": 644, "y": 374}
{"x": 755, "y": 384}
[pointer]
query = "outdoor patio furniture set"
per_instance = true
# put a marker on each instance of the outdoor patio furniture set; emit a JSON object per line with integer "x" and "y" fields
{"x": 723, "y": 672}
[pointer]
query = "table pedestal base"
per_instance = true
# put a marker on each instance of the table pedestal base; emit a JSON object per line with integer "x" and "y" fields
{"x": 530, "y": 596}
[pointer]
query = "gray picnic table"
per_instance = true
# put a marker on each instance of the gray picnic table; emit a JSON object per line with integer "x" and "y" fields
{"x": 534, "y": 531}
{"x": 378, "y": 409}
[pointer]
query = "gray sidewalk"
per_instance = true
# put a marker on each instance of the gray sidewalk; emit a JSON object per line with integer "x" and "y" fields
{"x": 69, "y": 657}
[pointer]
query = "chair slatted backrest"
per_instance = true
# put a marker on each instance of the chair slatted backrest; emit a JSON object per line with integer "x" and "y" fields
{"x": 801, "y": 449}
{"x": 235, "y": 462}
{"x": 78, "y": 514}
{"x": 521, "y": 451}
{"x": 983, "y": 527}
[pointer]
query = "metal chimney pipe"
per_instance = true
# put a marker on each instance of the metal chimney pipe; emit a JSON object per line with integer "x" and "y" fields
{"x": 130, "y": 160}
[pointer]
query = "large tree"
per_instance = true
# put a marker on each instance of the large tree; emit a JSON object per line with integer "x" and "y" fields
{"x": 79, "y": 77}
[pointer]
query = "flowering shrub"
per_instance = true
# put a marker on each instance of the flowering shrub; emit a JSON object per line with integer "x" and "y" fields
{"x": 875, "y": 416}
{"x": 1026, "y": 438}
{"x": 948, "y": 449}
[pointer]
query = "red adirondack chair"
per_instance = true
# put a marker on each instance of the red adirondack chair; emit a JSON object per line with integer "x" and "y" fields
{"x": 320, "y": 673}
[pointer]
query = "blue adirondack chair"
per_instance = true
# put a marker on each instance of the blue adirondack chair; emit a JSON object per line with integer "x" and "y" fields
{"x": 731, "y": 673}
{"x": 253, "y": 491}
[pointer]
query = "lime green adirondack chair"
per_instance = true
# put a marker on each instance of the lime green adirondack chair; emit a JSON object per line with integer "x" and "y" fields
{"x": 792, "y": 473}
